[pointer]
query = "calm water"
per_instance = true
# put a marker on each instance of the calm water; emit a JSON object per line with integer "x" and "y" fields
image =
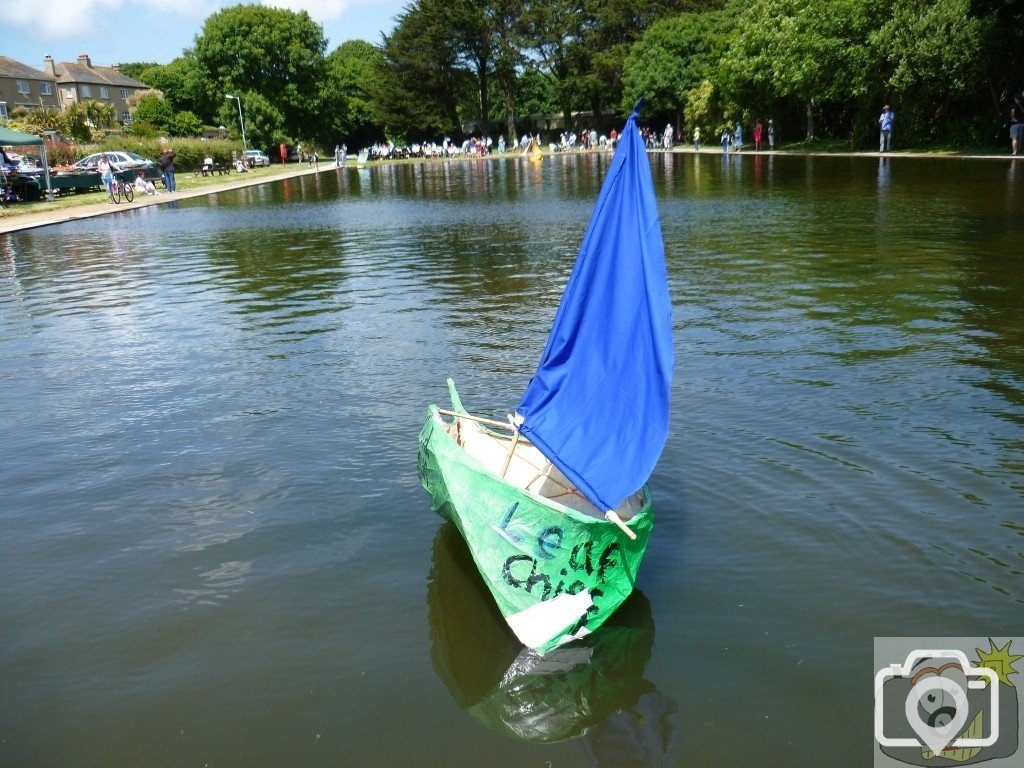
{"x": 214, "y": 549}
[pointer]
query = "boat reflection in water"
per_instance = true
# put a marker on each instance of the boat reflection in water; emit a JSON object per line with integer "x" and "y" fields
{"x": 592, "y": 689}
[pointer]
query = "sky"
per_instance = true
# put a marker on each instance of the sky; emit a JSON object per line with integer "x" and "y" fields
{"x": 120, "y": 31}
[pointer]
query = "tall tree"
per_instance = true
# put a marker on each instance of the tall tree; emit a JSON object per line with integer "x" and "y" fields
{"x": 421, "y": 81}
{"x": 813, "y": 51}
{"x": 276, "y": 53}
{"x": 506, "y": 28}
{"x": 672, "y": 59}
{"x": 470, "y": 31}
{"x": 184, "y": 85}
{"x": 932, "y": 53}
{"x": 617, "y": 25}
{"x": 556, "y": 47}
{"x": 1003, "y": 24}
{"x": 151, "y": 108}
{"x": 134, "y": 69}
{"x": 265, "y": 126}
{"x": 354, "y": 69}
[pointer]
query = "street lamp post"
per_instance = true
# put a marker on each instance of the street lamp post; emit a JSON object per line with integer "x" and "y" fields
{"x": 245, "y": 148}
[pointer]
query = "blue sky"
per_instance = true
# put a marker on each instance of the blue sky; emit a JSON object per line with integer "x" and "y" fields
{"x": 115, "y": 31}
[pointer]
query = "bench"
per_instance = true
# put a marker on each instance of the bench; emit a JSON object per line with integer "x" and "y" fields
{"x": 205, "y": 170}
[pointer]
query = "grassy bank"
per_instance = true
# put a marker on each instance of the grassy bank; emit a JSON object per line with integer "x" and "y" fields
{"x": 186, "y": 181}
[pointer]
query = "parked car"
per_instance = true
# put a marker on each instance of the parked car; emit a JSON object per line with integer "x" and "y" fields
{"x": 256, "y": 158}
{"x": 123, "y": 160}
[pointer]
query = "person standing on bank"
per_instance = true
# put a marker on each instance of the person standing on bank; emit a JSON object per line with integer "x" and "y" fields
{"x": 106, "y": 169}
{"x": 885, "y": 121}
{"x": 1016, "y": 124}
{"x": 167, "y": 169}
{"x": 771, "y": 135}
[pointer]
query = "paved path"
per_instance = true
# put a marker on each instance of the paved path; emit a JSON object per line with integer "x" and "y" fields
{"x": 90, "y": 210}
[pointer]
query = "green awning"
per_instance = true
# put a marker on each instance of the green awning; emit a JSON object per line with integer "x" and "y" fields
{"x": 9, "y": 138}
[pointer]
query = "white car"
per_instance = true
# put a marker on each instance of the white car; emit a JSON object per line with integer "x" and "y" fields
{"x": 123, "y": 160}
{"x": 256, "y": 158}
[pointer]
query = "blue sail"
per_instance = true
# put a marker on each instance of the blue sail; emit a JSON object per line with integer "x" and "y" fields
{"x": 598, "y": 406}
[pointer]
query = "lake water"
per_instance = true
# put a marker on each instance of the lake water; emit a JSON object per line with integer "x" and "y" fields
{"x": 214, "y": 549}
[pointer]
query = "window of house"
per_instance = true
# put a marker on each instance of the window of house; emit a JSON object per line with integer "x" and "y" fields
{"x": 23, "y": 88}
{"x": 3, "y": 110}
{"x": 124, "y": 94}
{"x": 103, "y": 92}
{"x": 126, "y": 117}
{"x": 86, "y": 91}
{"x": 46, "y": 89}
{"x": 69, "y": 93}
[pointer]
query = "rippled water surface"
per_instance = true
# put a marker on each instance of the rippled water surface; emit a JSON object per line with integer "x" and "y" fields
{"x": 214, "y": 549}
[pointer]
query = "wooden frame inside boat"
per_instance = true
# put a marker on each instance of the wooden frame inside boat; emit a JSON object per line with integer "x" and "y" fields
{"x": 519, "y": 463}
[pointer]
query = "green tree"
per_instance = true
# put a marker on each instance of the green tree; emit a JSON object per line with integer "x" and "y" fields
{"x": 99, "y": 114}
{"x": 506, "y": 21}
{"x": 811, "y": 51}
{"x": 76, "y": 125}
{"x": 134, "y": 69}
{"x": 153, "y": 109}
{"x": 1004, "y": 42}
{"x": 184, "y": 123}
{"x": 470, "y": 39}
{"x": 556, "y": 46}
{"x": 275, "y": 53}
{"x": 673, "y": 59}
{"x": 265, "y": 126}
{"x": 535, "y": 94}
{"x": 354, "y": 69}
{"x": 421, "y": 82}
{"x": 184, "y": 85}
{"x": 933, "y": 54}
{"x": 616, "y": 27}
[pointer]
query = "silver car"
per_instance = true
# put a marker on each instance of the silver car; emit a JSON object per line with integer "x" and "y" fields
{"x": 256, "y": 158}
{"x": 123, "y": 160}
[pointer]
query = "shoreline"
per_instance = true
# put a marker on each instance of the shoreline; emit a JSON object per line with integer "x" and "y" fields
{"x": 88, "y": 210}
{"x": 32, "y": 219}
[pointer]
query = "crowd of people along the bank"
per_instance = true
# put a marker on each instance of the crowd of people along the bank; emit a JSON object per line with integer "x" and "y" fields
{"x": 730, "y": 137}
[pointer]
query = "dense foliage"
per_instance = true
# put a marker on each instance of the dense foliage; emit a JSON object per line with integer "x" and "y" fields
{"x": 450, "y": 67}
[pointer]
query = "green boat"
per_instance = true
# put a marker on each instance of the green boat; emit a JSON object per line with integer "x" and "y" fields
{"x": 554, "y": 504}
{"x": 556, "y": 566}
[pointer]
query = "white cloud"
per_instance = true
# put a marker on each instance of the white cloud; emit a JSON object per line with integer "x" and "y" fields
{"x": 319, "y": 10}
{"x": 63, "y": 18}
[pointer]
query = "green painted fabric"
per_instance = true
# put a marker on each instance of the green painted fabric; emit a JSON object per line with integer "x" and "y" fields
{"x": 555, "y": 574}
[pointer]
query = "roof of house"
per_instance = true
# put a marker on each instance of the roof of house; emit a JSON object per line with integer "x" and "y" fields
{"x": 79, "y": 72}
{"x": 12, "y": 68}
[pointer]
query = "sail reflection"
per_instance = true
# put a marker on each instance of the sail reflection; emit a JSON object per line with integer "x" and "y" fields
{"x": 592, "y": 689}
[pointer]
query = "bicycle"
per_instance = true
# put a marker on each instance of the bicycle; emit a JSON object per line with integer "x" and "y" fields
{"x": 119, "y": 188}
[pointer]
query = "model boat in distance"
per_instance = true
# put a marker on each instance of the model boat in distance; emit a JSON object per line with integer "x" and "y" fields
{"x": 553, "y": 504}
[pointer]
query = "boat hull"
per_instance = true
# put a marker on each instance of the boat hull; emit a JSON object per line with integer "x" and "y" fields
{"x": 556, "y": 574}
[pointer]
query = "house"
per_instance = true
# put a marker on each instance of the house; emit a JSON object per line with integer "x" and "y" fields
{"x": 82, "y": 81}
{"x": 25, "y": 86}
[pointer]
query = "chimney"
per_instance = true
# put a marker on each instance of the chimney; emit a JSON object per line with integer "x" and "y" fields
{"x": 49, "y": 67}
{"x": 116, "y": 67}
{"x": 83, "y": 58}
